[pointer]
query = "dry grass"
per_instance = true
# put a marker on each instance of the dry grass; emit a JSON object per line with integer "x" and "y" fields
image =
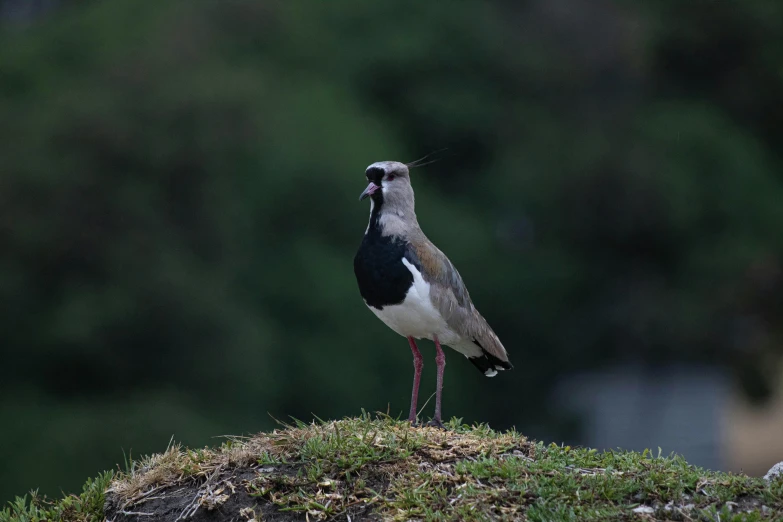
{"x": 322, "y": 468}
{"x": 379, "y": 468}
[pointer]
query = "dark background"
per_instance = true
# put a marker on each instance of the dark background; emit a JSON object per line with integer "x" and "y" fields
{"x": 179, "y": 214}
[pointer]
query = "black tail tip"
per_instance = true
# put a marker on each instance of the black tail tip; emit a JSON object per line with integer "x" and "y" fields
{"x": 490, "y": 365}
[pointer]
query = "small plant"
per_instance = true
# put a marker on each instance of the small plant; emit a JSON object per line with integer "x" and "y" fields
{"x": 86, "y": 507}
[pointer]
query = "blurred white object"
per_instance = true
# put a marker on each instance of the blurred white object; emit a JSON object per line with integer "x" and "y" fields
{"x": 679, "y": 408}
{"x": 775, "y": 472}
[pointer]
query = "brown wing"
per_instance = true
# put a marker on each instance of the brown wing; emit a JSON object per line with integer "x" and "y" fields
{"x": 451, "y": 298}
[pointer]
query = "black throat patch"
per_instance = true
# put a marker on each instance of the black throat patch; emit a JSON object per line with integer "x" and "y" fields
{"x": 382, "y": 277}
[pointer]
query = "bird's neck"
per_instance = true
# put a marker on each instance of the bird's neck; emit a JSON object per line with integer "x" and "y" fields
{"x": 391, "y": 221}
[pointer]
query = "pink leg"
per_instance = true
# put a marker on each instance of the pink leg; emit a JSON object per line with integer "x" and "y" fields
{"x": 440, "y": 361}
{"x": 418, "y": 364}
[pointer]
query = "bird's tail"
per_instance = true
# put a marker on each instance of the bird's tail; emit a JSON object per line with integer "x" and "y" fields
{"x": 489, "y": 365}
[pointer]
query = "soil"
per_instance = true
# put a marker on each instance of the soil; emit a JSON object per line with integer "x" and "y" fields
{"x": 181, "y": 503}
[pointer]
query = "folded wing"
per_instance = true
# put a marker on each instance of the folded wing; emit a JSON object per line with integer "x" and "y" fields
{"x": 451, "y": 298}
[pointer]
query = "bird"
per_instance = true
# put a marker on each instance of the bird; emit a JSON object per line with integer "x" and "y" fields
{"x": 413, "y": 288}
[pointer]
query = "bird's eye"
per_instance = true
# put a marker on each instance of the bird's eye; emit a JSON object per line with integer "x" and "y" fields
{"x": 390, "y": 177}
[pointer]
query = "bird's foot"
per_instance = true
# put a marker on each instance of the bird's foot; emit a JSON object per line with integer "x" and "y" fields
{"x": 436, "y": 423}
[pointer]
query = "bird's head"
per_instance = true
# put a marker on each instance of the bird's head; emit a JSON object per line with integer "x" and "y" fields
{"x": 390, "y": 184}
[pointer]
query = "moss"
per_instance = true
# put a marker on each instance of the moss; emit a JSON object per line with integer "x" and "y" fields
{"x": 381, "y": 468}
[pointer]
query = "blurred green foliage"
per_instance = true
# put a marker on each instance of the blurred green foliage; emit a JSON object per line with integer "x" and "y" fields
{"x": 178, "y": 191}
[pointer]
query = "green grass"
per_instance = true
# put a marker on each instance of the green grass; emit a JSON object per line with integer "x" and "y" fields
{"x": 365, "y": 465}
{"x": 86, "y": 507}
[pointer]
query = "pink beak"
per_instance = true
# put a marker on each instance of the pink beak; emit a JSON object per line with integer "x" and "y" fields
{"x": 372, "y": 187}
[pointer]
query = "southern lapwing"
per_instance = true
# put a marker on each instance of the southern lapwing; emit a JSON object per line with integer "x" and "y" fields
{"x": 413, "y": 287}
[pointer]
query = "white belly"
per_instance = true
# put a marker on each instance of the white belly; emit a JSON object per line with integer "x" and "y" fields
{"x": 416, "y": 316}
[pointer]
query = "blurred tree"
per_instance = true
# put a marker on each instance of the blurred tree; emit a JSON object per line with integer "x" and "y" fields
{"x": 178, "y": 200}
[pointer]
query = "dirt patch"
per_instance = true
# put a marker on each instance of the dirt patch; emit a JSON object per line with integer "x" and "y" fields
{"x": 231, "y": 495}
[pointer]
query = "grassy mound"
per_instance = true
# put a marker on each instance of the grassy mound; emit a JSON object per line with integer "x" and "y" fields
{"x": 382, "y": 469}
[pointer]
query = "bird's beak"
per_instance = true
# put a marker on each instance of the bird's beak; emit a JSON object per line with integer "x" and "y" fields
{"x": 372, "y": 187}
